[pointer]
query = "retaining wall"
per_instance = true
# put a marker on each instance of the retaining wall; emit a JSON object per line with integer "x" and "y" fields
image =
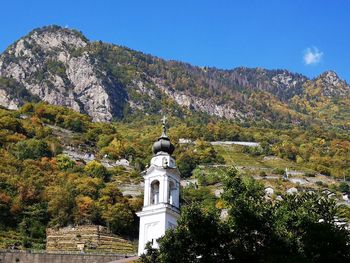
{"x": 30, "y": 257}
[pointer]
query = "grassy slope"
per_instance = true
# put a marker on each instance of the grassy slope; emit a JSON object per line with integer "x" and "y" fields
{"x": 233, "y": 155}
{"x": 253, "y": 165}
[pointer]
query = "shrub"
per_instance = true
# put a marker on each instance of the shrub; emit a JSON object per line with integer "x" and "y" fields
{"x": 343, "y": 187}
{"x": 262, "y": 174}
{"x": 319, "y": 183}
{"x": 310, "y": 174}
{"x": 278, "y": 171}
{"x": 96, "y": 169}
{"x": 32, "y": 149}
{"x": 64, "y": 162}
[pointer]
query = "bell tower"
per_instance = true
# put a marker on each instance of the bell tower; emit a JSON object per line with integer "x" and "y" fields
{"x": 161, "y": 193}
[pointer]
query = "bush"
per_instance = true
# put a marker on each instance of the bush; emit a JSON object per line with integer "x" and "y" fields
{"x": 96, "y": 169}
{"x": 64, "y": 162}
{"x": 12, "y": 124}
{"x": 343, "y": 187}
{"x": 278, "y": 171}
{"x": 310, "y": 174}
{"x": 301, "y": 228}
{"x": 262, "y": 174}
{"x": 32, "y": 149}
{"x": 319, "y": 183}
{"x": 323, "y": 170}
{"x": 75, "y": 125}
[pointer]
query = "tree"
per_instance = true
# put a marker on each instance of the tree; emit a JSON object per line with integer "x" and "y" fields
{"x": 151, "y": 256}
{"x": 61, "y": 204}
{"x": 64, "y": 162}
{"x": 344, "y": 187}
{"x": 186, "y": 163}
{"x": 86, "y": 210}
{"x": 32, "y": 149}
{"x": 33, "y": 223}
{"x": 115, "y": 149}
{"x": 118, "y": 217}
{"x": 11, "y": 123}
{"x": 199, "y": 237}
{"x": 96, "y": 169}
{"x": 299, "y": 228}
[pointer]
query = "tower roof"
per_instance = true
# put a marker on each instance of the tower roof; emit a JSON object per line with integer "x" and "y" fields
{"x": 163, "y": 143}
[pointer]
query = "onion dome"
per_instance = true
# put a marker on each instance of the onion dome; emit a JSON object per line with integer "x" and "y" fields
{"x": 163, "y": 143}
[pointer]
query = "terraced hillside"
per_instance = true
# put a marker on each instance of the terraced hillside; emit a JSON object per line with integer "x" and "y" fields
{"x": 58, "y": 168}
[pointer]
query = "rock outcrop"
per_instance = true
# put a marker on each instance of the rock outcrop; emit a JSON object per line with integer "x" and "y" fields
{"x": 45, "y": 64}
{"x": 60, "y": 66}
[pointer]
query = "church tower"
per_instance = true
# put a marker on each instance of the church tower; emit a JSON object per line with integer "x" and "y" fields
{"x": 161, "y": 193}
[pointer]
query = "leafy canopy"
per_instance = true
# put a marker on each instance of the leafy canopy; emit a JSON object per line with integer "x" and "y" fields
{"x": 299, "y": 228}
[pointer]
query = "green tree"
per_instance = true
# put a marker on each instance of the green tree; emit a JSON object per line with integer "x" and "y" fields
{"x": 299, "y": 228}
{"x": 151, "y": 256}
{"x": 86, "y": 211}
{"x": 344, "y": 187}
{"x": 199, "y": 237}
{"x": 96, "y": 169}
{"x": 32, "y": 149}
{"x": 61, "y": 204}
{"x": 118, "y": 217}
{"x": 115, "y": 149}
{"x": 64, "y": 162}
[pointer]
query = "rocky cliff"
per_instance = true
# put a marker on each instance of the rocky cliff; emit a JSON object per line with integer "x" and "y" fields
{"x": 43, "y": 62}
{"x": 60, "y": 66}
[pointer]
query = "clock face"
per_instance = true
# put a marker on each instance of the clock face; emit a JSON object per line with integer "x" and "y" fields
{"x": 168, "y": 162}
{"x": 164, "y": 162}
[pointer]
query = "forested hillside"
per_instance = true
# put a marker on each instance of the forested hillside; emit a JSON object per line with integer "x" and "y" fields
{"x": 42, "y": 186}
{"x": 73, "y": 109}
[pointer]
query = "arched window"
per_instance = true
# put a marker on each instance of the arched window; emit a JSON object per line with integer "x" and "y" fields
{"x": 155, "y": 192}
{"x": 172, "y": 193}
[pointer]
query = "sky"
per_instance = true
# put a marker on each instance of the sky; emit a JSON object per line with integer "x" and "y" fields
{"x": 304, "y": 36}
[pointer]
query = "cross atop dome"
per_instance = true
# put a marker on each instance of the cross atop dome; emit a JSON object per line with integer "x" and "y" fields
{"x": 164, "y": 123}
{"x": 163, "y": 144}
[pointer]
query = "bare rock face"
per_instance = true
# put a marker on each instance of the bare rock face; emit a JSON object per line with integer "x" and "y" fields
{"x": 201, "y": 105}
{"x": 8, "y": 102}
{"x": 60, "y": 66}
{"x": 331, "y": 85}
{"x": 43, "y": 63}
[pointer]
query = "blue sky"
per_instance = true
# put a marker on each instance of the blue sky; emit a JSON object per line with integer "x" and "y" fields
{"x": 303, "y": 36}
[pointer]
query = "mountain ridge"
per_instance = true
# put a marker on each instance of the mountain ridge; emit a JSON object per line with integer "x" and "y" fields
{"x": 61, "y": 66}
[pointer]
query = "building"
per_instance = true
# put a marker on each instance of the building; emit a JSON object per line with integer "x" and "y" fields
{"x": 122, "y": 162}
{"x": 161, "y": 193}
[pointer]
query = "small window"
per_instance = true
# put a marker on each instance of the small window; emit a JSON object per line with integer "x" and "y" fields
{"x": 172, "y": 193}
{"x": 155, "y": 192}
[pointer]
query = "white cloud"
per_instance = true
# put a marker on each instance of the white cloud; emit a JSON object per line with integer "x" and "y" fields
{"x": 312, "y": 56}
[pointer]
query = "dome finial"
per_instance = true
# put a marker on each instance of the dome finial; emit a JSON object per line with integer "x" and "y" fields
{"x": 163, "y": 143}
{"x": 164, "y": 122}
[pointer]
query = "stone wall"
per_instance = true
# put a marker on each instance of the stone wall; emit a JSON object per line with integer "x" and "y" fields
{"x": 26, "y": 257}
{"x": 88, "y": 238}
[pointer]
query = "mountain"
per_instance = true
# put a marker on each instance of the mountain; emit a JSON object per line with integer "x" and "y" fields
{"x": 44, "y": 63}
{"x": 62, "y": 67}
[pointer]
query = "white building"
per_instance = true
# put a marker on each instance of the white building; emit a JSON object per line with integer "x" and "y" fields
{"x": 185, "y": 141}
{"x": 122, "y": 162}
{"x": 269, "y": 191}
{"x": 292, "y": 191}
{"x": 161, "y": 194}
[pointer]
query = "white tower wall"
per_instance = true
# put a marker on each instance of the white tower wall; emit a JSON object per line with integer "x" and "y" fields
{"x": 161, "y": 205}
